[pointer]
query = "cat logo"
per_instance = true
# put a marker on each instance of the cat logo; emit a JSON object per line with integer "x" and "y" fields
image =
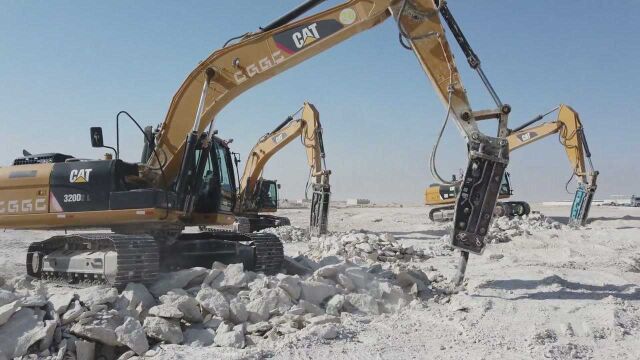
{"x": 80, "y": 176}
{"x": 527, "y": 136}
{"x": 298, "y": 38}
{"x": 306, "y": 36}
{"x": 278, "y": 138}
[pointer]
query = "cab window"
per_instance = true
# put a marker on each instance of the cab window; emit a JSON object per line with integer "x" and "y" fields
{"x": 226, "y": 171}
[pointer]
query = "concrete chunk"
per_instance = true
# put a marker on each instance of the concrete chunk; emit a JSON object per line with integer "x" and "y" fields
{"x": 316, "y": 292}
{"x": 214, "y": 302}
{"x": 176, "y": 280}
{"x": 133, "y": 336}
{"x": 163, "y": 329}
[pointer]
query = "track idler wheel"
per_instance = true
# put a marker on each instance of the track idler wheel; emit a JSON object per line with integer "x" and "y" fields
{"x": 34, "y": 261}
{"x": 520, "y": 208}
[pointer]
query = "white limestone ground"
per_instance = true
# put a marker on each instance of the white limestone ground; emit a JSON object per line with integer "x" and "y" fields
{"x": 541, "y": 290}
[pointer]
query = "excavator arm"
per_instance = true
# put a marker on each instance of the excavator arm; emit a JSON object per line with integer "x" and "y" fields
{"x": 258, "y": 56}
{"x": 309, "y": 129}
{"x": 573, "y": 139}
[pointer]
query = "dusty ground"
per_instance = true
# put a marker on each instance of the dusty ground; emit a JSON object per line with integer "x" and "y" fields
{"x": 557, "y": 293}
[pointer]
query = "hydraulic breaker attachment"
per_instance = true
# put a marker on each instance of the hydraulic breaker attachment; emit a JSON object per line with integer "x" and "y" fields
{"x": 488, "y": 159}
{"x": 319, "y": 209}
{"x": 582, "y": 202}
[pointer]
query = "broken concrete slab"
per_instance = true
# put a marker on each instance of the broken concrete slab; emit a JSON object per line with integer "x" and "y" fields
{"x": 85, "y": 350}
{"x": 60, "y": 302}
{"x": 290, "y": 284}
{"x": 6, "y": 311}
{"x": 316, "y": 292}
{"x": 364, "y": 303}
{"x": 23, "y": 329}
{"x": 214, "y": 302}
{"x": 238, "y": 311}
{"x": 163, "y": 329}
{"x": 233, "y": 338}
{"x": 199, "y": 337}
{"x": 133, "y": 295}
{"x": 176, "y": 280}
{"x": 97, "y": 295}
{"x": 188, "y": 305}
{"x": 166, "y": 311}
{"x": 100, "y": 328}
{"x": 132, "y": 335}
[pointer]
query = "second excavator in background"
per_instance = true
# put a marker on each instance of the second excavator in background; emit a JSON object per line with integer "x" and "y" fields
{"x": 572, "y": 137}
{"x": 256, "y": 195}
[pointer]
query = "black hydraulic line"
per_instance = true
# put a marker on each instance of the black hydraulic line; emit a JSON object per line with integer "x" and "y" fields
{"x": 587, "y": 152}
{"x": 286, "y": 18}
{"x": 283, "y": 124}
{"x": 186, "y": 173}
{"x": 472, "y": 58}
{"x": 534, "y": 120}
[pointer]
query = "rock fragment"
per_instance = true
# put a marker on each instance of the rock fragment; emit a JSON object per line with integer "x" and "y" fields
{"x": 166, "y": 311}
{"x": 176, "y": 280}
{"x": 214, "y": 302}
{"x": 199, "y": 337}
{"x": 163, "y": 329}
{"x": 132, "y": 335}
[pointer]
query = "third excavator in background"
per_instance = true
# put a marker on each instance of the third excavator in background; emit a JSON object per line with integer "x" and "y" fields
{"x": 571, "y": 136}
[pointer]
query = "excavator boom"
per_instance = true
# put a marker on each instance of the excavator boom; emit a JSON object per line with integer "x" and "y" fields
{"x": 309, "y": 129}
{"x": 571, "y": 134}
{"x": 258, "y": 56}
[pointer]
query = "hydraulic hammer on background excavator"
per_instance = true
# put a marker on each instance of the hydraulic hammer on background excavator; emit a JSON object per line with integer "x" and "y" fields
{"x": 572, "y": 138}
{"x": 188, "y": 179}
{"x": 309, "y": 129}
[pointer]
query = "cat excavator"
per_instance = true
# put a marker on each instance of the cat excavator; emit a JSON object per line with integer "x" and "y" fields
{"x": 257, "y": 196}
{"x": 571, "y": 136}
{"x": 147, "y": 206}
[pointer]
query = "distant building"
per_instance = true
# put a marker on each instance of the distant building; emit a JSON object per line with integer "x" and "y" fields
{"x": 358, "y": 201}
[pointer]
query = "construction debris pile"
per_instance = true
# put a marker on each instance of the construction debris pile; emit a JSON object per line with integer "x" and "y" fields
{"x": 223, "y": 306}
{"x": 288, "y": 233}
{"x": 364, "y": 246}
{"x": 503, "y": 229}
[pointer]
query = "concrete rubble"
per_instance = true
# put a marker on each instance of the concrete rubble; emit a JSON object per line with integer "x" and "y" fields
{"x": 224, "y": 306}
{"x": 503, "y": 229}
{"x": 369, "y": 246}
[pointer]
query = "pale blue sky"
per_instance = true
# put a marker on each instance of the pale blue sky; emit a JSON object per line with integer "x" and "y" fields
{"x": 69, "y": 65}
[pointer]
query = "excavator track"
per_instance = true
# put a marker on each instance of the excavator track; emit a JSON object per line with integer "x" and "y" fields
{"x": 260, "y": 252}
{"x": 269, "y": 252}
{"x": 441, "y": 213}
{"x": 115, "y": 259}
{"x": 504, "y": 208}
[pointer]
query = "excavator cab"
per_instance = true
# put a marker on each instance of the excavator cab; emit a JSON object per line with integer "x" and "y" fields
{"x": 218, "y": 189}
{"x": 505, "y": 187}
{"x": 267, "y": 195}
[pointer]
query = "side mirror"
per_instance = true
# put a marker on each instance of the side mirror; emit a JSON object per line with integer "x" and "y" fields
{"x": 96, "y": 137}
{"x": 278, "y": 186}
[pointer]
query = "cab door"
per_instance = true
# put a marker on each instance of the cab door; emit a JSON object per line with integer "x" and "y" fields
{"x": 221, "y": 157}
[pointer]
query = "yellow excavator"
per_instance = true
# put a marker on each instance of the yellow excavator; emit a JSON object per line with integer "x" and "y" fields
{"x": 257, "y": 196}
{"x": 572, "y": 138}
{"x": 188, "y": 179}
